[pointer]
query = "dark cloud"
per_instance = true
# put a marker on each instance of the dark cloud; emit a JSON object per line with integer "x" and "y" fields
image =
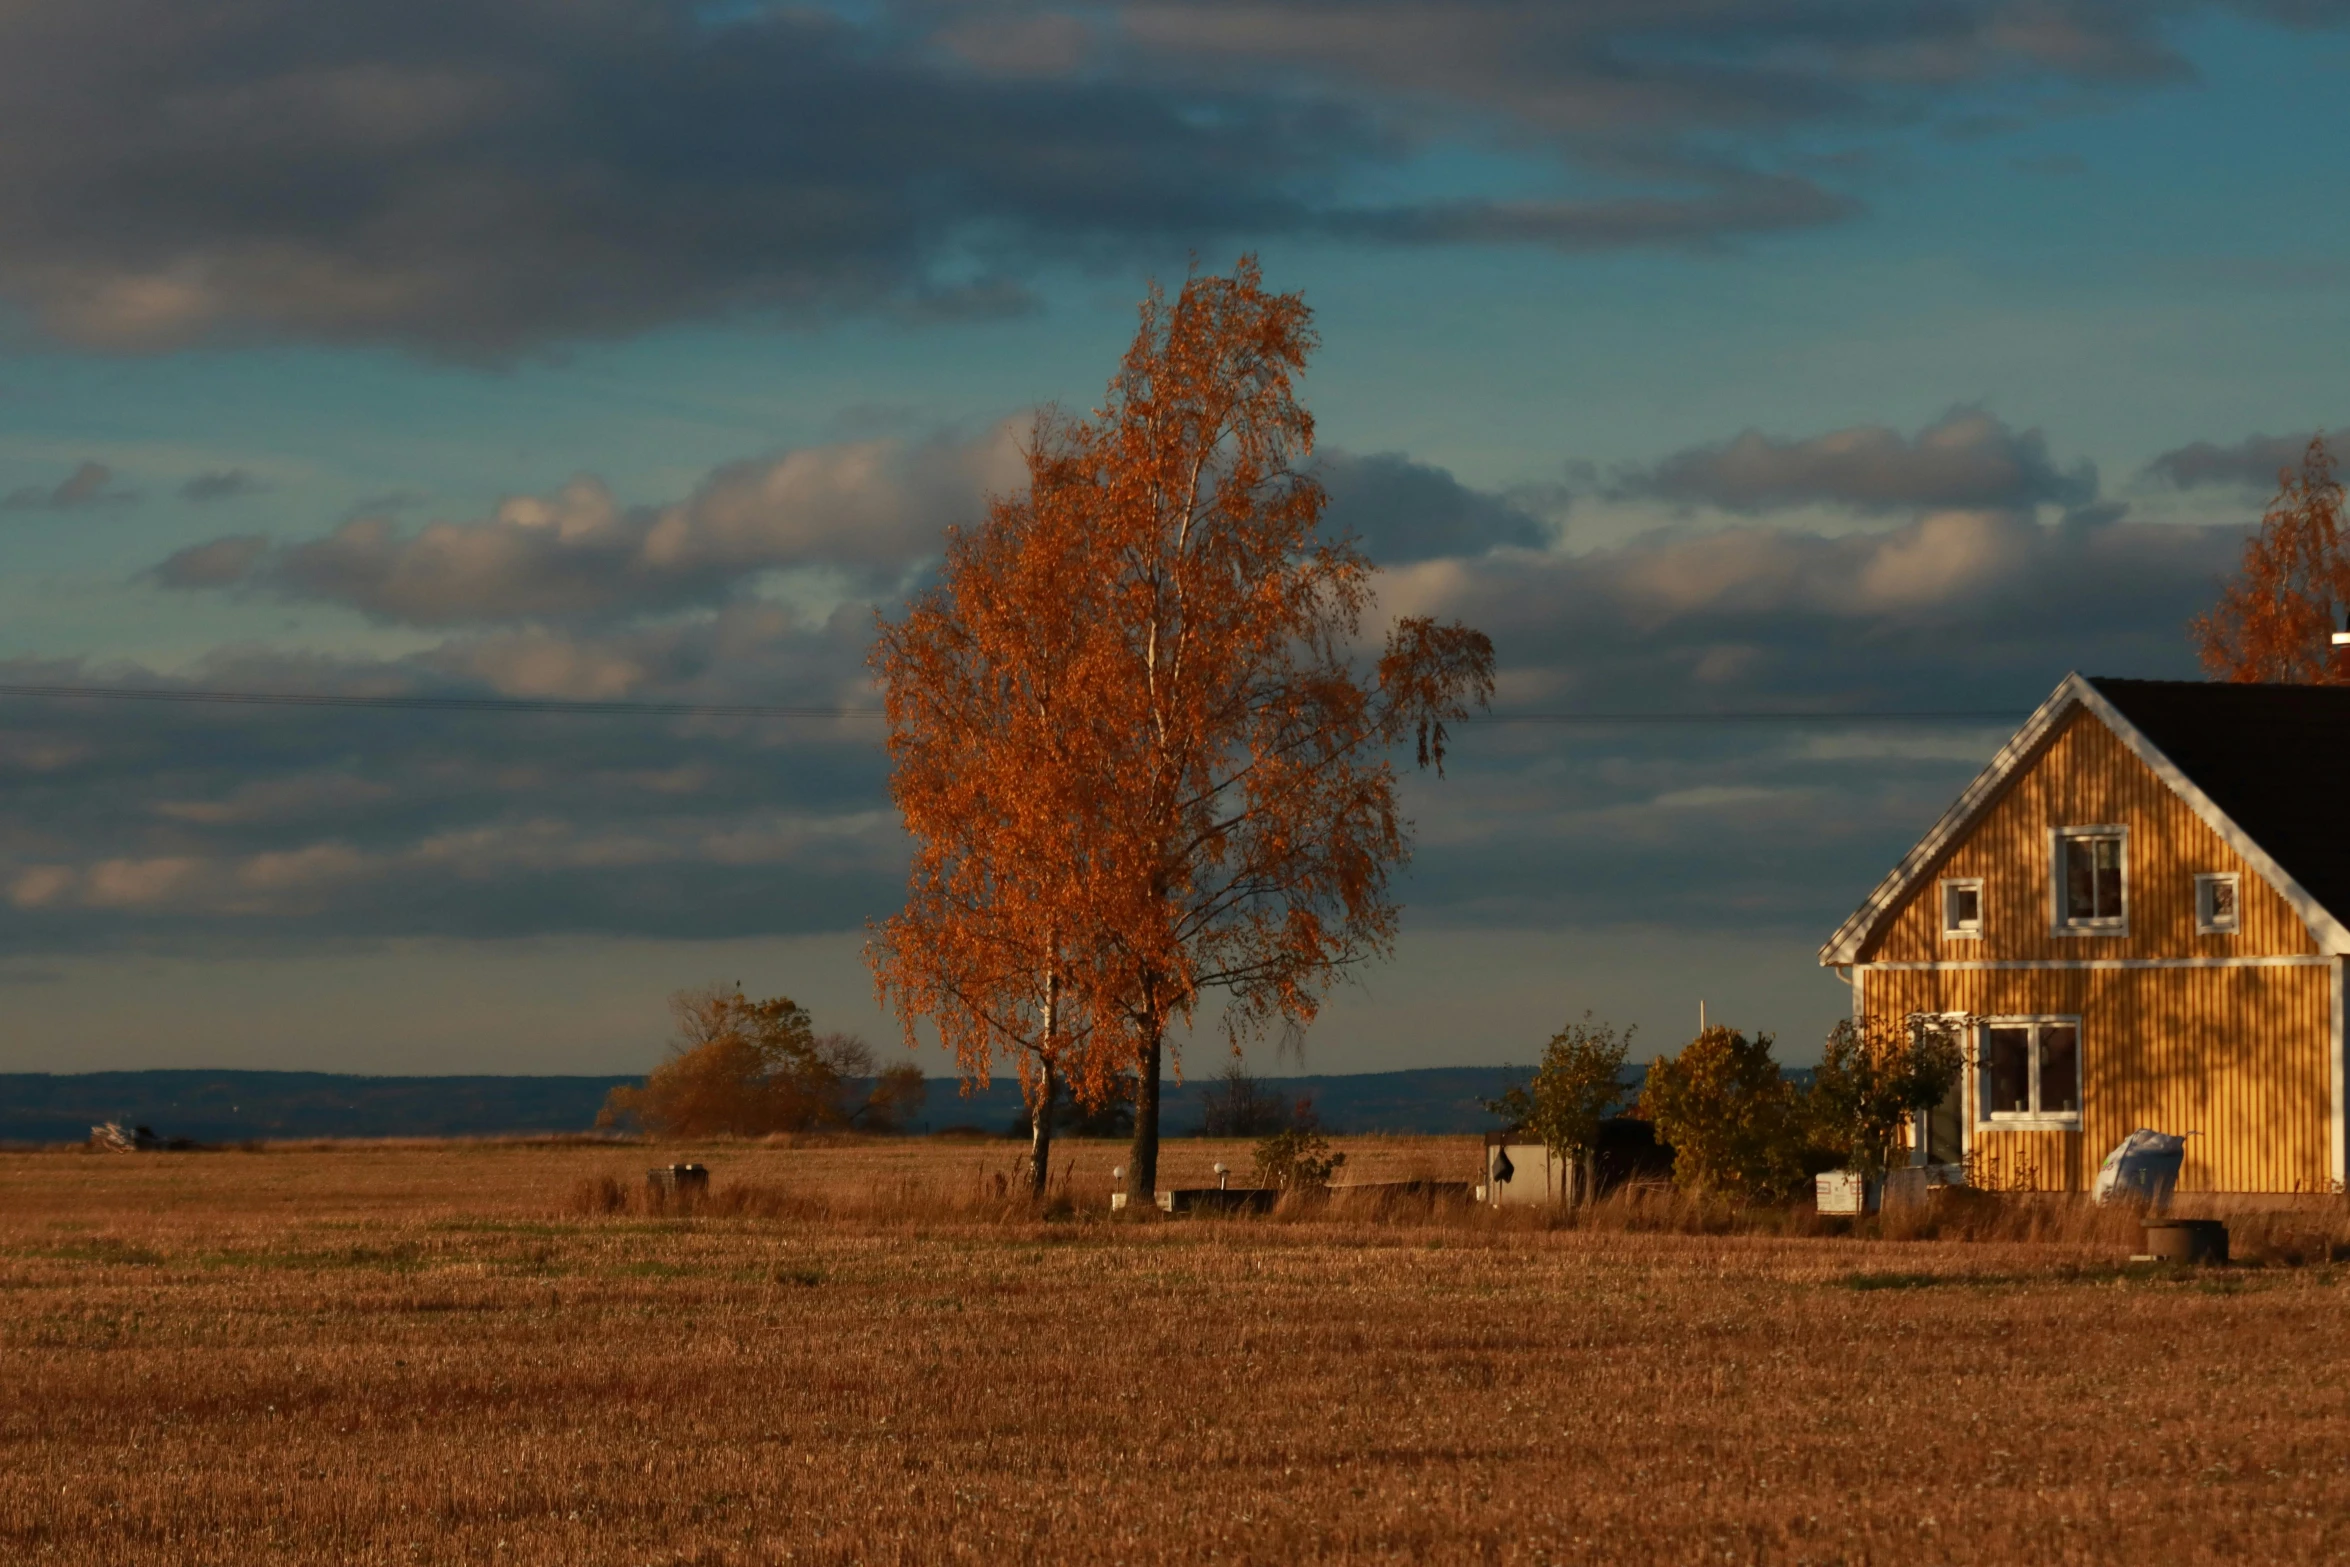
{"x": 162, "y": 825}
{"x": 217, "y": 563}
{"x": 2253, "y": 462}
{"x": 869, "y": 509}
{"x": 1702, "y": 218}
{"x": 475, "y": 178}
{"x": 484, "y": 178}
{"x": 1710, "y": 827}
{"x": 88, "y": 486}
{"x": 1967, "y": 461}
{"x": 227, "y": 485}
{"x": 1403, "y": 511}
{"x": 292, "y": 826}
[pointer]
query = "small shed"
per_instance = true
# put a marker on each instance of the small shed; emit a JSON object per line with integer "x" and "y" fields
{"x": 1522, "y": 1173}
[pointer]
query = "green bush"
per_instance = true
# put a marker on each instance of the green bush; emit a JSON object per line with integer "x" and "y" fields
{"x": 1735, "y": 1124}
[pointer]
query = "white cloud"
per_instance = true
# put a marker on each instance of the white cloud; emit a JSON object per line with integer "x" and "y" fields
{"x": 871, "y": 509}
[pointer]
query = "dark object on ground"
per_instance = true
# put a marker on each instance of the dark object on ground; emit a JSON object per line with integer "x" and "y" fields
{"x": 1628, "y": 1151}
{"x": 1219, "y": 1199}
{"x": 114, "y": 1137}
{"x": 2186, "y": 1240}
{"x": 678, "y": 1180}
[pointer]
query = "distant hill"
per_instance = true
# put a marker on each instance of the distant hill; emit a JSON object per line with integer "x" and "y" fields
{"x": 226, "y": 1107}
{"x": 1432, "y": 1099}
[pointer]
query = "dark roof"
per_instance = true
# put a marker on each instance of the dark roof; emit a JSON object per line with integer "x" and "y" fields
{"x": 2276, "y": 759}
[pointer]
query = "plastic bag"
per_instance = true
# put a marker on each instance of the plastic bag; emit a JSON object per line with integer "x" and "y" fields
{"x": 2143, "y": 1167}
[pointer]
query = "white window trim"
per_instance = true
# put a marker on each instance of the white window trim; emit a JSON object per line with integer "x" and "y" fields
{"x": 1942, "y": 891}
{"x": 2058, "y": 925}
{"x": 2035, "y": 1121}
{"x": 2203, "y": 880}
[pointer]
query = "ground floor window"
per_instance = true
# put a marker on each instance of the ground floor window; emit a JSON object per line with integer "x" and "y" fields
{"x": 2031, "y": 1069}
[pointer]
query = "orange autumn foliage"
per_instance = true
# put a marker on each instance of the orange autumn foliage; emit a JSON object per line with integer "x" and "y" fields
{"x": 2275, "y": 621}
{"x": 1131, "y": 741}
{"x": 991, "y": 741}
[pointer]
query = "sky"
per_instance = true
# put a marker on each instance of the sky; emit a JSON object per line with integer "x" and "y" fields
{"x": 1788, "y": 356}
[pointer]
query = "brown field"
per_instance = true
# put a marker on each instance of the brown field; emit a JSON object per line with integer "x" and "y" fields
{"x": 433, "y": 1353}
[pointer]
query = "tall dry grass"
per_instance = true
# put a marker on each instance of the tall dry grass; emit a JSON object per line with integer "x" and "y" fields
{"x": 862, "y": 1353}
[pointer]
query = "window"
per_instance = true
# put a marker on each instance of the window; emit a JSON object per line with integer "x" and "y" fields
{"x": 2215, "y": 904}
{"x": 2032, "y": 1071}
{"x": 1962, "y": 908}
{"x": 2092, "y": 898}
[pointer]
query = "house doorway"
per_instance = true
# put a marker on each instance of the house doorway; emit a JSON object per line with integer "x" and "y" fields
{"x": 1941, "y": 1131}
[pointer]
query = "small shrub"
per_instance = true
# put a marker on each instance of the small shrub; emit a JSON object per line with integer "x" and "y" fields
{"x": 1299, "y": 1157}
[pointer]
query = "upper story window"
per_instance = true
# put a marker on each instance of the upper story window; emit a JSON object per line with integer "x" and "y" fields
{"x": 2215, "y": 904}
{"x": 2092, "y": 890}
{"x": 1962, "y": 907}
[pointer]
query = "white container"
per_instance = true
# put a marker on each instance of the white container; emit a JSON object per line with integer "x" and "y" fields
{"x": 1843, "y": 1191}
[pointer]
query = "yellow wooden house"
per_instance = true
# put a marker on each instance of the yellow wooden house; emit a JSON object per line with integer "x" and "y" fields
{"x": 2136, "y": 916}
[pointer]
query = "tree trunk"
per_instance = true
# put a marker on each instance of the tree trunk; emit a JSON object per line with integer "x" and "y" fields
{"x": 1040, "y": 1136}
{"x": 1142, "y": 1161}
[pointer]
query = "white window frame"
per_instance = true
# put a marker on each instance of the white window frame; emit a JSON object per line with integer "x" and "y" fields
{"x": 2058, "y": 924}
{"x": 1949, "y": 885}
{"x": 2029, "y": 1120}
{"x": 2205, "y": 924}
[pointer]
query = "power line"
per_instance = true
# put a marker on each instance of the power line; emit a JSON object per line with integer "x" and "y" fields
{"x": 451, "y": 704}
{"x": 594, "y": 709}
{"x": 1939, "y": 715}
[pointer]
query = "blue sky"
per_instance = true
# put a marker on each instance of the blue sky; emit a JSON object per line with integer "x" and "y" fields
{"x": 1802, "y": 354}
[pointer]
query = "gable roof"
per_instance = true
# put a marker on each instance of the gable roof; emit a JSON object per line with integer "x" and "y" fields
{"x": 2265, "y": 767}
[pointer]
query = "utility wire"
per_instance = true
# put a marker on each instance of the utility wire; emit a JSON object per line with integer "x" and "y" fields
{"x": 593, "y": 709}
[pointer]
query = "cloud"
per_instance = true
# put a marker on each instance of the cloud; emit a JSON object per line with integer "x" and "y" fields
{"x": 484, "y": 179}
{"x": 1721, "y": 209}
{"x": 216, "y": 563}
{"x": 2253, "y": 462}
{"x": 187, "y": 824}
{"x": 1715, "y": 826}
{"x": 1967, "y": 460}
{"x": 166, "y": 826}
{"x": 89, "y": 486}
{"x": 1403, "y": 511}
{"x": 477, "y": 179}
{"x": 226, "y": 485}
{"x": 869, "y": 509}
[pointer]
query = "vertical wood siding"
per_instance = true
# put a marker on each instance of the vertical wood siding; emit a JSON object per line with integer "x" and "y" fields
{"x": 2239, "y": 1055}
{"x": 2085, "y": 778}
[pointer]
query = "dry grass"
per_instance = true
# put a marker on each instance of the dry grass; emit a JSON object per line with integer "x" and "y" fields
{"x": 864, "y": 1353}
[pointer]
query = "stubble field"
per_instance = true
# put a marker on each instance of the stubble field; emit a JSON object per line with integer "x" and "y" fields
{"x": 380, "y": 1354}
